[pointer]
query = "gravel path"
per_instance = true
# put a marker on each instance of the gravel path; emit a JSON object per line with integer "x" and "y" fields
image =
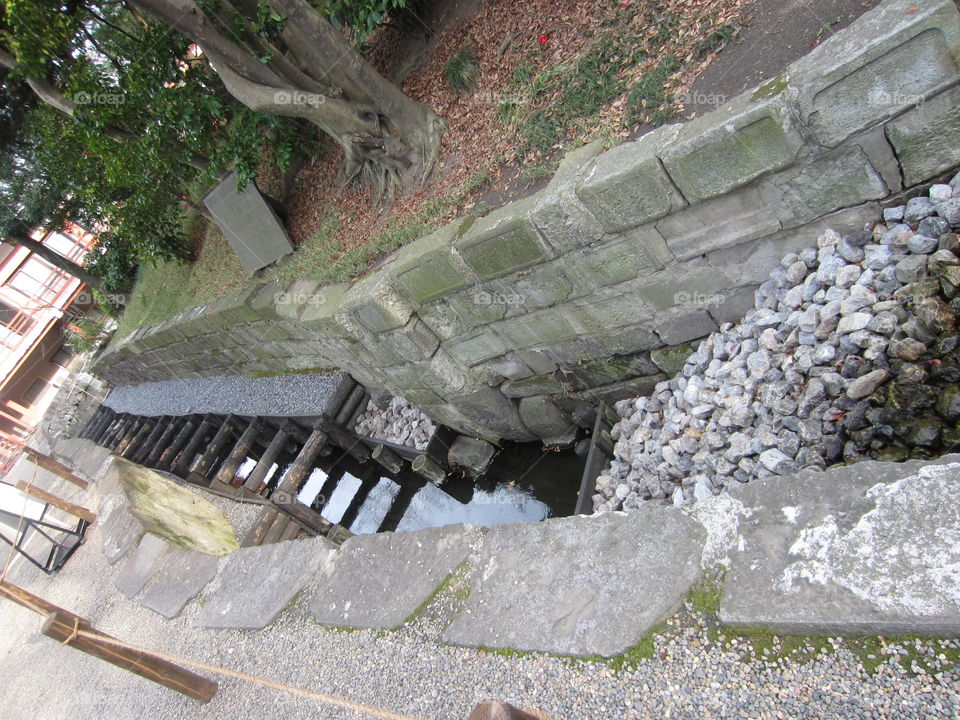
{"x": 293, "y": 395}
{"x": 693, "y": 673}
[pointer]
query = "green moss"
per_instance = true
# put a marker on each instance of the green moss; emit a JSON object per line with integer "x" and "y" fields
{"x": 771, "y": 88}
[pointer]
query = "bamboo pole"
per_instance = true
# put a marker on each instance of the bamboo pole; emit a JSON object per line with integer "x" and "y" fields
{"x": 57, "y": 468}
{"x": 57, "y": 501}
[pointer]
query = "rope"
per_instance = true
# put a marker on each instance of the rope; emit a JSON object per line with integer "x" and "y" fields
{"x": 256, "y": 679}
{"x": 72, "y": 636}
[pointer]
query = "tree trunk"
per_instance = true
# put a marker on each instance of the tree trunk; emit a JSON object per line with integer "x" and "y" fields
{"x": 388, "y": 139}
{"x": 57, "y": 260}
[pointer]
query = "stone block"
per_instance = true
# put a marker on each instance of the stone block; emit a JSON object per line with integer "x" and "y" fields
{"x": 623, "y": 257}
{"x": 889, "y": 60}
{"x": 527, "y": 387}
{"x": 472, "y": 454}
{"x": 614, "y": 392}
{"x": 503, "y": 241}
{"x": 181, "y": 578}
{"x": 627, "y": 340}
{"x": 927, "y": 139}
{"x": 484, "y": 413}
{"x": 839, "y": 179}
{"x": 414, "y": 341}
{"x": 693, "y": 283}
{"x": 428, "y": 268}
{"x": 320, "y": 315}
{"x": 381, "y": 580}
{"x": 730, "y": 219}
{"x": 684, "y": 325}
{"x": 547, "y": 421}
{"x": 443, "y": 373}
{"x": 627, "y": 186}
{"x": 120, "y": 531}
{"x": 142, "y": 564}
{"x": 289, "y": 303}
{"x": 608, "y": 369}
{"x": 443, "y": 319}
{"x": 254, "y": 231}
{"x": 540, "y": 363}
{"x": 734, "y": 305}
{"x": 752, "y": 262}
{"x": 539, "y": 329}
{"x": 374, "y": 304}
{"x": 510, "y": 366}
{"x": 418, "y": 397}
{"x": 477, "y": 348}
{"x": 563, "y": 220}
{"x": 861, "y": 549}
{"x": 544, "y": 285}
{"x": 256, "y": 583}
{"x": 880, "y": 154}
{"x": 611, "y": 310}
{"x": 590, "y": 584}
{"x": 671, "y": 359}
{"x": 727, "y": 148}
{"x": 482, "y": 305}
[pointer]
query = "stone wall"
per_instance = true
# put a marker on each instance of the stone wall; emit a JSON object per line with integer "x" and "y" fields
{"x": 509, "y": 326}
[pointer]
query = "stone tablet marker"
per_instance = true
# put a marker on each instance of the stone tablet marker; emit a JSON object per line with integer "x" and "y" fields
{"x": 251, "y": 227}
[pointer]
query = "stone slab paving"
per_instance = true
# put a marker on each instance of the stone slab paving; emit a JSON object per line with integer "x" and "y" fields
{"x": 142, "y": 564}
{"x": 256, "y": 583}
{"x": 378, "y": 581}
{"x": 183, "y": 575}
{"x": 580, "y": 585}
{"x": 119, "y": 530}
{"x": 869, "y": 548}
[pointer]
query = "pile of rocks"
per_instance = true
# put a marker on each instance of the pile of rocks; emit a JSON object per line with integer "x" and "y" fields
{"x": 396, "y": 421}
{"x": 851, "y": 352}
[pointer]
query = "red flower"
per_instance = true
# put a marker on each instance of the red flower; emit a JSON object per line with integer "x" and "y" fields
{"x": 543, "y": 39}
{"x": 625, "y": 3}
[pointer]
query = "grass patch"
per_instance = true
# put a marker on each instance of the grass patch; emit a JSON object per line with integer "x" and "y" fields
{"x": 167, "y": 288}
{"x": 648, "y": 100}
{"x": 462, "y": 70}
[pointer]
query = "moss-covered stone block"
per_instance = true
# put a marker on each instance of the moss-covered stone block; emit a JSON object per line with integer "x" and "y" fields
{"x": 503, "y": 241}
{"x": 727, "y": 148}
{"x": 320, "y": 314}
{"x": 543, "y": 328}
{"x": 671, "y": 359}
{"x": 927, "y": 139}
{"x": 428, "y": 268}
{"x": 623, "y": 257}
{"x": 528, "y": 387}
{"x": 627, "y": 186}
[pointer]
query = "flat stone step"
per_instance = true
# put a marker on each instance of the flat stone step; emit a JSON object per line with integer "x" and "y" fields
{"x": 378, "y": 581}
{"x": 580, "y": 585}
{"x": 183, "y": 575}
{"x": 256, "y": 583}
{"x": 870, "y": 548}
{"x": 142, "y": 564}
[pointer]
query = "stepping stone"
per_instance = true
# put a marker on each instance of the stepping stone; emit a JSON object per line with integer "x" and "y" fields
{"x": 870, "y": 548}
{"x": 119, "y": 530}
{"x": 379, "y": 581}
{"x": 142, "y": 565}
{"x": 183, "y": 575}
{"x": 256, "y": 583}
{"x": 580, "y": 585}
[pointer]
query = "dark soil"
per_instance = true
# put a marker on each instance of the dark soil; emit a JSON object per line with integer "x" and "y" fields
{"x": 778, "y": 33}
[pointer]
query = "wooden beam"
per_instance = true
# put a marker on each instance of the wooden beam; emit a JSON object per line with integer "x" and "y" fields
{"x": 430, "y": 469}
{"x": 228, "y": 469}
{"x": 170, "y": 453}
{"x": 54, "y": 466}
{"x": 213, "y": 450}
{"x": 496, "y": 710}
{"x": 259, "y": 473}
{"x": 259, "y": 530}
{"x": 62, "y": 627}
{"x": 345, "y": 439}
{"x": 303, "y": 464}
{"x": 387, "y": 458}
{"x": 56, "y": 501}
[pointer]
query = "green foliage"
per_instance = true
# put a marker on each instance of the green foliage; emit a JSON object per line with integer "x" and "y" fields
{"x": 361, "y": 16}
{"x": 462, "y": 70}
{"x": 84, "y": 336}
{"x": 714, "y": 39}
